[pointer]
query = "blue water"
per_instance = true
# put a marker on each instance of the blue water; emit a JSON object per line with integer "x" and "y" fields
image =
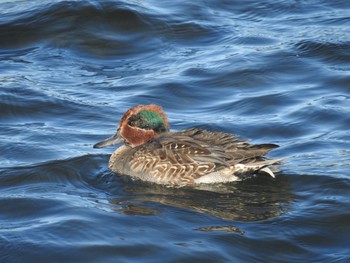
{"x": 273, "y": 71}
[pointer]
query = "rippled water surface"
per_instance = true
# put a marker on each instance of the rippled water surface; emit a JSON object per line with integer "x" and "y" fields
{"x": 274, "y": 71}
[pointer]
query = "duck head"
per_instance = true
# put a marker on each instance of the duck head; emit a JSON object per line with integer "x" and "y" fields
{"x": 138, "y": 125}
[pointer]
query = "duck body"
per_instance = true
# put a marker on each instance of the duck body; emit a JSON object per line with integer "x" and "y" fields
{"x": 190, "y": 157}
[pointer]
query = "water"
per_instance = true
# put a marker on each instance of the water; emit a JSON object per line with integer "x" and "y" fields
{"x": 276, "y": 72}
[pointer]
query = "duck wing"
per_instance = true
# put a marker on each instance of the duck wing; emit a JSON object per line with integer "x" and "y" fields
{"x": 235, "y": 148}
{"x": 179, "y": 158}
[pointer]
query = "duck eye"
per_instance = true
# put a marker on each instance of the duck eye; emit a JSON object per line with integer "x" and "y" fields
{"x": 133, "y": 121}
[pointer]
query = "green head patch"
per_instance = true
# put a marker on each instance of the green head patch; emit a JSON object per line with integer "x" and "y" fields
{"x": 149, "y": 120}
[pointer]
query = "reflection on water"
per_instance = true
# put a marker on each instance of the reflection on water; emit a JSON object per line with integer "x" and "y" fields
{"x": 249, "y": 200}
{"x": 221, "y": 228}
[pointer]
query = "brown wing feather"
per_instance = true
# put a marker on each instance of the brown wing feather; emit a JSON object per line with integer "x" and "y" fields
{"x": 228, "y": 147}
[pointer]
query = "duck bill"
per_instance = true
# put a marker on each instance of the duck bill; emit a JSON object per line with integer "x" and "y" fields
{"x": 115, "y": 139}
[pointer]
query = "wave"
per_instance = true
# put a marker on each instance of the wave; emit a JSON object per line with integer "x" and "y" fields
{"x": 78, "y": 24}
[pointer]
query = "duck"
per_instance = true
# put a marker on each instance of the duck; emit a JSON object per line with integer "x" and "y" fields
{"x": 150, "y": 152}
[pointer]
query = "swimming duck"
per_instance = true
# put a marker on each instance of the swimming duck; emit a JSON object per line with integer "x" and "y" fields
{"x": 151, "y": 152}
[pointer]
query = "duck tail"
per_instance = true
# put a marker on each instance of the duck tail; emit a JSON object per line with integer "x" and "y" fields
{"x": 263, "y": 166}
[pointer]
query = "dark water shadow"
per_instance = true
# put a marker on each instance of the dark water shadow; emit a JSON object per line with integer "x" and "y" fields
{"x": 247, "y": 201}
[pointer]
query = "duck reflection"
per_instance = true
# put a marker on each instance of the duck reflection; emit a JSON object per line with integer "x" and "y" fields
{"x": 253, "y": 199}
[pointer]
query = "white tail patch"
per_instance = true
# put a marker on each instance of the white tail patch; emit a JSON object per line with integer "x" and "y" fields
{"x": 256, "y": 167}
{"x": 268, "y": 171}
